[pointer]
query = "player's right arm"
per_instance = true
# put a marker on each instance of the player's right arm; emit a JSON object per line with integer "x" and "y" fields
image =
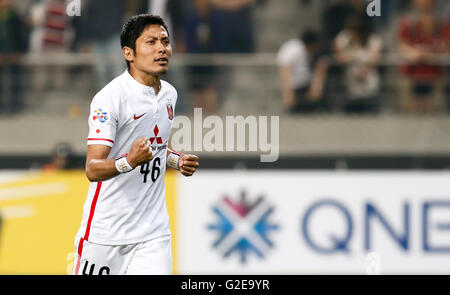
{"x": 99, "y": 168}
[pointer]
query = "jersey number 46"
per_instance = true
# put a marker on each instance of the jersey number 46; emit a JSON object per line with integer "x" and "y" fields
{"x": 154, "y": 172}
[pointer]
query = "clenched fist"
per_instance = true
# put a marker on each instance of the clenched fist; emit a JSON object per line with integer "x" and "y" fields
{"x": 140, "y": 152}
{"x": 188, "y": 164}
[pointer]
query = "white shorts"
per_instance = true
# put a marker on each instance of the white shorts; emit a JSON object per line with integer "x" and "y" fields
{"x": 152, "y": 257}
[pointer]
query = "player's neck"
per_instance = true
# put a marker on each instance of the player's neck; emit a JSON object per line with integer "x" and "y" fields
{"x": 146, "y": 79}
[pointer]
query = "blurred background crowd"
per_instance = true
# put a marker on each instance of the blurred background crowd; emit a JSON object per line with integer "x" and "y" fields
{"x": 291, "y": 56}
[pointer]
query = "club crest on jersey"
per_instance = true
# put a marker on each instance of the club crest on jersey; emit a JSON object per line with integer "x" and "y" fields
{"x": 169, "y": 110}
{"x": 100, "y": 115}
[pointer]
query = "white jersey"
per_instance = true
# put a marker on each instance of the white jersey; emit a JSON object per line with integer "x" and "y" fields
{"x": 130, "y": 207}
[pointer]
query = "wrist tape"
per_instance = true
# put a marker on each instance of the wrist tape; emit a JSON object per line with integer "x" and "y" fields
{"x": 122, "y": 165}
{"x": 172, "y": 160}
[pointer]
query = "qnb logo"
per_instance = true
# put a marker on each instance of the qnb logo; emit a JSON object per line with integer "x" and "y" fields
{"x": 243, "y": 227}
{"x": 373, "y": 8}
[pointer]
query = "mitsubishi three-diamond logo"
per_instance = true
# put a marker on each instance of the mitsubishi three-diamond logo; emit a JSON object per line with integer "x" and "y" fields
{"x": 158, "y": 138}
{"x": 243, "y": 227}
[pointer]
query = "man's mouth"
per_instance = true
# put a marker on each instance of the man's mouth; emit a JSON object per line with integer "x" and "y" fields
{"x": 162, "y": 61}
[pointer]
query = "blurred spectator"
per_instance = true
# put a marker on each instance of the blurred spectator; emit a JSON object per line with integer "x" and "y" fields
{"x": 334, "y": 19}
{"x": 60, "y": 158}
{"x": 52, "y": 33}
{"x": 339, "y": 13}
{"x": 52, "y": 26}
{"x": 101, "y": 26}
{"x": 232, "y": 26}
{"x": 422, "y": 38}
{"x": 303, "y": 73}
{"x": 199, "y": 40}
{"x": 13, "y": 34}
{"x": 359, "y": 51}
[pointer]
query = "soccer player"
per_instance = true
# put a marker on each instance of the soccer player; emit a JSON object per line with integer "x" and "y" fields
{"x": 125, "y": 224}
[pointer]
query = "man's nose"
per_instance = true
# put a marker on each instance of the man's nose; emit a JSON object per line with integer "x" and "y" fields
{"x": 161, "y": 48}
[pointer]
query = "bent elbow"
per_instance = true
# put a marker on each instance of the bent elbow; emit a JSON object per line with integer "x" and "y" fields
{"x": 90, "y": 176}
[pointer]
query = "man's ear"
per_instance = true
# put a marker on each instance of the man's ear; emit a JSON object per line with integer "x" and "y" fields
{"x": 128, "y": 54}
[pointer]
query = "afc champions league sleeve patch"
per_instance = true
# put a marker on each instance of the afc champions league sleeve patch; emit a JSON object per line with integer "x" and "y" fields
{"x": 169, "y": 110}
{"x": 100, "y": 115}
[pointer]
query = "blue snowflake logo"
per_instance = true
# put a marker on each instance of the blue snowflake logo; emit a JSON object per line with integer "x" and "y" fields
{"x": 243, "y": 227}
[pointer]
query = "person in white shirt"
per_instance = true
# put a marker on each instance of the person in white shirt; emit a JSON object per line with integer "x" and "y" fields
{"x": 125, "y": 224}
{"x": 303, "y": 72}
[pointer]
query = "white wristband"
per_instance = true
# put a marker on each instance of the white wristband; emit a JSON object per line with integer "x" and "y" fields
{"x": 122, "y": 165}
{"x": 173, "y": 159}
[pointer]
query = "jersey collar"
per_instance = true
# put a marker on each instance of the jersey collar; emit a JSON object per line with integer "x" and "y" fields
{"x": 139, "y": 86}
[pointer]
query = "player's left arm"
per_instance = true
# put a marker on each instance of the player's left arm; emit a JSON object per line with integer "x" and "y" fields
{"x": 186, "y": 164}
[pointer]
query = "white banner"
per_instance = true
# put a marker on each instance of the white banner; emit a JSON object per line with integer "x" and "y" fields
{"x": 290, "y": 222}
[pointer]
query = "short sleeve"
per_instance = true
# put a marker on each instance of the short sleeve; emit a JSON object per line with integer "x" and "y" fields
{"x": 102, "y": 123}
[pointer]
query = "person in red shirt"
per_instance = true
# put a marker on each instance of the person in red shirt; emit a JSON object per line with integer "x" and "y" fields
{"x": 51, "y": 32}
{"x": 423, "y": 38}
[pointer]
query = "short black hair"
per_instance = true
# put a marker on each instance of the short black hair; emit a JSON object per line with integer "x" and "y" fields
{"x": 134, "y": 27}
{"x": 310, "y": 37}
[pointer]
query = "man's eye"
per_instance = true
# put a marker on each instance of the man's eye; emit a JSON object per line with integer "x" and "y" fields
{"x": 151, "y": 42}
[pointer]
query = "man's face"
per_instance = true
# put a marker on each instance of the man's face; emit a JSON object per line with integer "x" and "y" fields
{"x": 153, "y": 51}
